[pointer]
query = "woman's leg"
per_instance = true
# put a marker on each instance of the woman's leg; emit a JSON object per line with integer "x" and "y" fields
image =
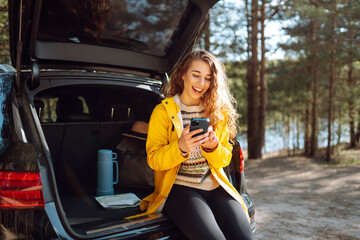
{"x": 192, "y": 214}
{"x": 230, "y": 215}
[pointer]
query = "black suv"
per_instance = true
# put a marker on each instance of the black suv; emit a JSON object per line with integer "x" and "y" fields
{"x": 86, "y": 70}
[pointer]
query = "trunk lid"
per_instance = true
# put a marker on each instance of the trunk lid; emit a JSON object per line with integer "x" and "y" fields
{"x": 146, "y": 35}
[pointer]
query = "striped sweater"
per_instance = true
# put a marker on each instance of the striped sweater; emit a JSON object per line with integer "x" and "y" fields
{"x": 195, "y": 172}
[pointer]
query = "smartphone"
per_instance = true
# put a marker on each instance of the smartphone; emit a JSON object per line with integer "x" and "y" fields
{"x": 197, "y": 123}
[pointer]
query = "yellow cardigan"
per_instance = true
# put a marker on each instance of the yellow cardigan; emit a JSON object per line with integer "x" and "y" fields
{"x": 164, "y": 156}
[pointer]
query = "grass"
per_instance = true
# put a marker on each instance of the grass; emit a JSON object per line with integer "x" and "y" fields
{"x": 342, "y": 156}
{"x": 345, "y": 156}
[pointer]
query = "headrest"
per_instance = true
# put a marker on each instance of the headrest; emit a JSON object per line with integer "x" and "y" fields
{"x": 39, "y": 104}
{"x": 68, "y": 105}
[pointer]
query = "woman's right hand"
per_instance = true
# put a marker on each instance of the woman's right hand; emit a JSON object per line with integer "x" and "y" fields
{"x": 187, "y": 142}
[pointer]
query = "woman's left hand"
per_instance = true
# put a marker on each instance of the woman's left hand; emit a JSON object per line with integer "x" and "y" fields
{"x": 212, "y": 142}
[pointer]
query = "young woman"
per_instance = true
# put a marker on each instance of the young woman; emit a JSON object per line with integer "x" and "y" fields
{"x": 190, "y": 184}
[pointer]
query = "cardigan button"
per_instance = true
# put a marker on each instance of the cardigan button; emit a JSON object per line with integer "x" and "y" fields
{"x": 172, "y": 117}
{"x": 166, "y": 102}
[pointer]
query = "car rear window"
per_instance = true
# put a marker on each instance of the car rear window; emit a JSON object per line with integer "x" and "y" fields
{"x": 90, "y": 103}
{"x": 62, "y": 109}
{"x": 146, "y": 26}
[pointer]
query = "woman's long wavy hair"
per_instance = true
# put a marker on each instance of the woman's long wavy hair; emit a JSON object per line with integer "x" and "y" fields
{"x": 217, "y": 98}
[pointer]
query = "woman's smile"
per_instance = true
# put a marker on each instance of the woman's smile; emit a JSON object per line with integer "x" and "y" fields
{"x": 198, "y": 90}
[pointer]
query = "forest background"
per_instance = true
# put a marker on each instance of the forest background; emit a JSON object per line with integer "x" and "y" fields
{"x": 293, "y": 67}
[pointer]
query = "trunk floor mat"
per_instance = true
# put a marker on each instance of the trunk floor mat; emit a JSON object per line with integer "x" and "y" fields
{"x": 84, "y": 209}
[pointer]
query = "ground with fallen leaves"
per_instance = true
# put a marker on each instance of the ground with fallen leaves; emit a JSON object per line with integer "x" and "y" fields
{"x": 302, "y": 198}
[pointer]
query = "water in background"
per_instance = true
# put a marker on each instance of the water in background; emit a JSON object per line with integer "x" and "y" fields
{"x": 276, "y": 138}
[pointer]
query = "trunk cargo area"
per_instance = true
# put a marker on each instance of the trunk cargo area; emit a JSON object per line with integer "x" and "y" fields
{"x": 74, "y": 134}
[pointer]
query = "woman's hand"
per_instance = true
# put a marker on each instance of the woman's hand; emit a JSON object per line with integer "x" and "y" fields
{"x": 187, "y": 142}
{"x": 212, "y": 142}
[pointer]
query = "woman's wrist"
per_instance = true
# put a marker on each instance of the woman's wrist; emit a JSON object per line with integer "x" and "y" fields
{"x": 183, "y": 153}
{"x": 210, "y": 149}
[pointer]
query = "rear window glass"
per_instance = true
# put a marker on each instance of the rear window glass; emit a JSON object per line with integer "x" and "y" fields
{"x": 68, "y": 108}
{"x": 146, "y": 26}
{"x": 95, "y": 103}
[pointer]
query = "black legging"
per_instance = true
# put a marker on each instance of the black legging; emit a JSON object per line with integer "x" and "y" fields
{"x": 201, "y": 214}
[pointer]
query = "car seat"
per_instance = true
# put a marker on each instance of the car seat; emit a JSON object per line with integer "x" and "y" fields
{"x": 70, "y": 109}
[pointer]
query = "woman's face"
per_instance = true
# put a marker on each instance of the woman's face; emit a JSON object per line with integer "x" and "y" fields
{"x": 196, "y": 82}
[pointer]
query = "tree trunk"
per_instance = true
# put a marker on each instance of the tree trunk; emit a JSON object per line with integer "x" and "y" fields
{"x": 263, "y": 88}
{"x": 307, "y": 118}
{"x": 307, "y": 121}
{"x": 287, "y": 134}
{"x": 331, "y": 106}
{"x": 314, "y": 71}
{"x": 248, "y": 23}
{"x": 350, "y": 81}
{"x": 332, "y": 82}
{"x": 358, "y": 131}
{"x": 351, "y": 85}
{"x": 297, "y": 135}
{"x": 339, "y": 130}
{"x": 314, "y": 117}
{"x": 207, "y": 35}
{"x": 253, "y": 95}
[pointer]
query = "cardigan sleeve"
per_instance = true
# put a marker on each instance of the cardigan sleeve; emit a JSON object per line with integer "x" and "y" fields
{"x": 162, "y": 153}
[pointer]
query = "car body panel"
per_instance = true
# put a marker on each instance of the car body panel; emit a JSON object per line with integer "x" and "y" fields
{"x": 16, "y": 153}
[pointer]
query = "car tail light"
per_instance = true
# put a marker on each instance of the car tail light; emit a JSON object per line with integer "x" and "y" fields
{"x": 241, "y": 161}
{"x": 21, "y": 190}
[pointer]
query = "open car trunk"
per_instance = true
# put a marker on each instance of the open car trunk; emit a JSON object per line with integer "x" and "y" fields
{"x": 78, "y": 120}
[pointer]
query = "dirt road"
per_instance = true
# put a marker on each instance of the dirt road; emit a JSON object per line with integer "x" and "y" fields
{"x": 297, "y": 198}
